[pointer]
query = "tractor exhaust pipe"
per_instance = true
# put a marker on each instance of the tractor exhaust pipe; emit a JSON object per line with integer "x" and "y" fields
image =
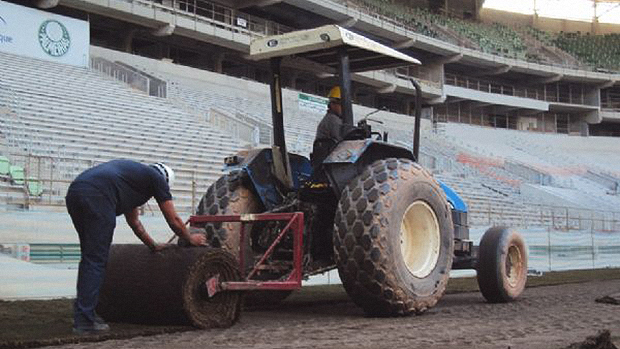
{"x": 418, "y": 116}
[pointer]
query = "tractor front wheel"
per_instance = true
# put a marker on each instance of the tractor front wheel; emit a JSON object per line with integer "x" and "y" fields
{"x": 394, "y": 241}
{"x": 502, "y": 265}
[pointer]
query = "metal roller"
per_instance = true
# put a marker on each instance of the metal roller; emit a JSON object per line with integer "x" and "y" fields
{"x": 168, "y": 287}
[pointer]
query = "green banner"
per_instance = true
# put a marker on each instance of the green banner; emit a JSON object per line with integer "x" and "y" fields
{"x": 312, "y": 103}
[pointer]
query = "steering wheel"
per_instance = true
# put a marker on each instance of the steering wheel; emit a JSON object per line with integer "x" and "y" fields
{"x": 355, "y": 134}
{"x": 379, "y": 136}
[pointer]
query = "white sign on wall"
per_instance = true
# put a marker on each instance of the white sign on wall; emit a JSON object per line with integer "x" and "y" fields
{"x": 38, "y": 34}
{"x": 312, "y": 103}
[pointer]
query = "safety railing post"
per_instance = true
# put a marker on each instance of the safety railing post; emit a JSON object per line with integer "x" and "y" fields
{"x": 489, "y": 212}
{"x": 193, "y": 208}
{"x": 593, "y": 247}
{"x": 549, "y": 246}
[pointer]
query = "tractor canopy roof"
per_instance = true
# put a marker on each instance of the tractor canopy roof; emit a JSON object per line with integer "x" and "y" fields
{"x": 319, "y": 46}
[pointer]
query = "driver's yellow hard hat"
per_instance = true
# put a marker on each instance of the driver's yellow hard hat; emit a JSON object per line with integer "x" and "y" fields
{"x": 334, "y": 93}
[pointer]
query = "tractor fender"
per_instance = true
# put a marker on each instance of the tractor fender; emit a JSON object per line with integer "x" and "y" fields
{"x": 349, "y": 159}
{"x": 453, "y": 198}
{"x": 459, "y": 212}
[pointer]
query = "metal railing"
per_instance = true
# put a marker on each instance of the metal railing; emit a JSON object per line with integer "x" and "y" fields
{"x": 431, "y": 76}
{"x": 155, "y": 87}
{"x": 559, "y": 218}
{"x": 545, "y": 122}
{"x": 55, "y": 175}
{"x": 129, "y": 75}
{"x": 551, "y": 250}
{"x": 12, "y": 129}
{"x": 610, "y": 99}
{"x": 571, "y": 94}
{"x": 233, "y": 126}
{"x": 221, "y": 16}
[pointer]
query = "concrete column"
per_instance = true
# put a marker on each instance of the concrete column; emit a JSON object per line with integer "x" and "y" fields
{"x": 218, "y": 59}
{"x": 128, "y": 41}
{"x": 408, "y": 108}
{"x": 585, "y": 129}
{"x": 293, "y": 82}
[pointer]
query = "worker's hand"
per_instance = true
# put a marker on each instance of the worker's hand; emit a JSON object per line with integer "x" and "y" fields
{"x": 198, "y": 239}
{"x": 160, "y": 247}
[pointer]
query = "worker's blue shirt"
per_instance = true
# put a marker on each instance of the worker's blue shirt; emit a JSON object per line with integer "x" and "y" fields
{"x": 127, "y": 184}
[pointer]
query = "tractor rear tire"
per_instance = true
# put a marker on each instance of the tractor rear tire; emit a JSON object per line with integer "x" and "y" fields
{"x": 502, "y": 265}
{"x": 394, "y": 242}
{"x": 228, "y": 196}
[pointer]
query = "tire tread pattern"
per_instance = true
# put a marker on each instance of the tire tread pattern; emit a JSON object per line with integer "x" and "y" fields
{"x": 361, "y": 250}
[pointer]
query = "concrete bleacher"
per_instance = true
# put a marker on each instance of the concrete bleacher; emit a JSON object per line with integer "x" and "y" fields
{"x": 203, "y": 92}
{"x": 80, "y": 115}
{"x": 565, "y": 159}
{"x": 88, "y": 118}
{"x": 253, "y": 107}
{"x": 85, "y": 119}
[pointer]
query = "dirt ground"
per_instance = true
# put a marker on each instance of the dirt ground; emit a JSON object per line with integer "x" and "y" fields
{"x": 544, "y": 317}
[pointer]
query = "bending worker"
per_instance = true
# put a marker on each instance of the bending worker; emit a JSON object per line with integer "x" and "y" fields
{"x": 94, "y": 199}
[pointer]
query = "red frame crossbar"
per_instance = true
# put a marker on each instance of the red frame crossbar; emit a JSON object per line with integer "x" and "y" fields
{"x": 295, "y": 225}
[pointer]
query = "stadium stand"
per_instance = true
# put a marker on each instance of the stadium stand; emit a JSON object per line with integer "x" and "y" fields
{"x": 88, "y": 128}
{"x": 79, "y": 116}
{"x": 563, "y": 175}
{"x": 594, "y": 52}
{"x": 600, "y": 51}
{"x": 85, "y": 118}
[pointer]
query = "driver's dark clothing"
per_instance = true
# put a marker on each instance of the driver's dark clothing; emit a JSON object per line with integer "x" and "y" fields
{"x": 330, "y": 128}
{"x": 329, "y": 133}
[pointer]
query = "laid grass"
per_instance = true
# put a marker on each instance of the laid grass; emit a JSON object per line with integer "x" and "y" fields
{"x": 35, "y": 323}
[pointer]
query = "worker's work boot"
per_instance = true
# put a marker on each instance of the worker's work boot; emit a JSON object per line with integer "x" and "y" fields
{"x": 96, "y": 327}
{"x": 98, "y": 319}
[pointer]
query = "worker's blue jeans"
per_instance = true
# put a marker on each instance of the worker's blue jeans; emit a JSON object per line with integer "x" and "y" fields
{"x": 94, "y": 218}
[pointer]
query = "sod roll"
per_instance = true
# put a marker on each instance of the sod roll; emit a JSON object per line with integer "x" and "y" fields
{"x": 168, "y": 287}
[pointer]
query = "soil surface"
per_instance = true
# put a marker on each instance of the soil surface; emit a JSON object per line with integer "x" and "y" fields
{"x": 544, "y": 317}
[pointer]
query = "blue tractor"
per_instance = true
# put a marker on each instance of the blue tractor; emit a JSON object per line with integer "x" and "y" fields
{"x": 370, "y": 210}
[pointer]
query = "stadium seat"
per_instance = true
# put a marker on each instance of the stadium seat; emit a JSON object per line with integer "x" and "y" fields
{"x": 17, "y": 174}
{"x": 599, "y": 51}
{"x": 4, "y": 167}
{"x": 35, "y": 187}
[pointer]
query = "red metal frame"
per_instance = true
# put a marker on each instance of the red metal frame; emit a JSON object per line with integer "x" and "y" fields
{"x": 295, "y": 226}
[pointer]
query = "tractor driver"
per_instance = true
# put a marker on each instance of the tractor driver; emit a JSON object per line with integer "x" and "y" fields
{"x": 330, "y": 130}
{"x": 94, "y": 199}
{"x": 331, "y": 125}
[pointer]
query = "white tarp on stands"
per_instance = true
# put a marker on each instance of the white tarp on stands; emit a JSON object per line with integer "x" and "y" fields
{"x": 38, "y": 34}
